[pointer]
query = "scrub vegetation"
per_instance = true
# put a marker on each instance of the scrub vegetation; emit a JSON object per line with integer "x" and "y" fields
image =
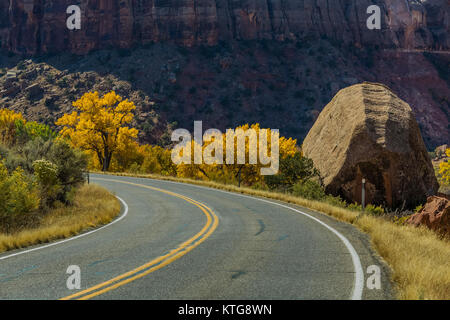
{"x": 92, "y": 206}
{"x": 43, "y": 195}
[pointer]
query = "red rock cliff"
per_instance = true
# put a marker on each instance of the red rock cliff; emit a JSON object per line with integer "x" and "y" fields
{"x": 37, "y": 26}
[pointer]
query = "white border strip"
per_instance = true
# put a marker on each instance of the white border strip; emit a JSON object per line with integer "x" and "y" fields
{"x": 358, "y": 284}
{"x": 73, "y": 238}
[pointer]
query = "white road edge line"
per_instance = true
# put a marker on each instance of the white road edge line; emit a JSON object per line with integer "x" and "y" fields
{"x": 125, "y": 205}
{"x": 358, "y": 285}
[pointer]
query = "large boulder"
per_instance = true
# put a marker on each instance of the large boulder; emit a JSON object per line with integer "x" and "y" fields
{"x": 366, "y": 131}
{"x": 435, "y": 215}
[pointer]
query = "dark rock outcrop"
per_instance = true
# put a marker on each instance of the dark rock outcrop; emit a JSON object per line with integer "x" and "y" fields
{"x": 367, "y": 132}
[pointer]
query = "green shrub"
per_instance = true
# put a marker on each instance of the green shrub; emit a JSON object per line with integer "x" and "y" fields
{"x": 26, "y": 131}
{"x": 354, "y": 207}
{"x": 18, "y": 197}
{"x": 371, "y": 209}
{"x": 375, "y": 210}
{"x": 46, "y": 174}
{"x": 276, "y": 182}
{"x": 292, "y": 170}
{"x": 70, "y": 163}
{"x": 309, "y": 190}
{"x": 335, "y": 201}
{"x": 400, "y": 220}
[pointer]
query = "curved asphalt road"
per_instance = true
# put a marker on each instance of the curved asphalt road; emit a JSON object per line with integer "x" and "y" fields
{"x": 210, "y": 245}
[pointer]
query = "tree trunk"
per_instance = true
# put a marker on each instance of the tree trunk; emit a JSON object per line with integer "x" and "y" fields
{"x": 107, "y": 162}
{"x": 239, "y": 176}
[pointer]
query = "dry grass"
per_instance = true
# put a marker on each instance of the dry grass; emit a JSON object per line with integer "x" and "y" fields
{"x": 93, "y": 206}
{"x": 418, "y": 257}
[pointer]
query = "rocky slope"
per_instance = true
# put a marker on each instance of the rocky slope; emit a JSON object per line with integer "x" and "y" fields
{"x": 36, "y": 26}
{"x": 281, "y": 85}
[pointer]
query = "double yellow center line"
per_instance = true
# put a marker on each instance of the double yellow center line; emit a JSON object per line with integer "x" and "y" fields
{"x": 158, "y": 263}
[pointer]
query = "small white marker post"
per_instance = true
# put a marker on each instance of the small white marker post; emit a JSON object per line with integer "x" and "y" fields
{"x": 363, "y": 195}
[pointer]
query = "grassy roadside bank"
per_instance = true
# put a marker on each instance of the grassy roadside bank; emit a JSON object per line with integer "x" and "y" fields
{"x": 92, "y": 206}
{"x": 418, "y": 257}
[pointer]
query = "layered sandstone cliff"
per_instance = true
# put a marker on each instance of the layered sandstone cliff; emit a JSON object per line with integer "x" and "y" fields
{"x": 37, "y": 26}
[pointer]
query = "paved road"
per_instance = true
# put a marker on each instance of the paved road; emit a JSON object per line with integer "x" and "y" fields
{"x": 180, "y": 241}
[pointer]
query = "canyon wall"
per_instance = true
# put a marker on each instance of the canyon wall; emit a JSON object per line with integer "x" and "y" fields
{"x": 38, "y": 26}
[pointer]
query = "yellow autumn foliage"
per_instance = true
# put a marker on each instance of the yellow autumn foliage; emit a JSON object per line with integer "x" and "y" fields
{"x": 229, "y": 173}
{"x": 8, "y": 120}
{"x": 100, "y": 125}
{"x": 444, "y": 169}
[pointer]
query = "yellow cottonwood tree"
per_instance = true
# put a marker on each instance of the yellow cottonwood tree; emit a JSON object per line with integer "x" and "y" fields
{"x": 444, "y": 169}
{"x": 100, "y": 126}
{"x": 8, "y": 120}
{"x": 231, "y": 173}
{"x": 157, "y": 160}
